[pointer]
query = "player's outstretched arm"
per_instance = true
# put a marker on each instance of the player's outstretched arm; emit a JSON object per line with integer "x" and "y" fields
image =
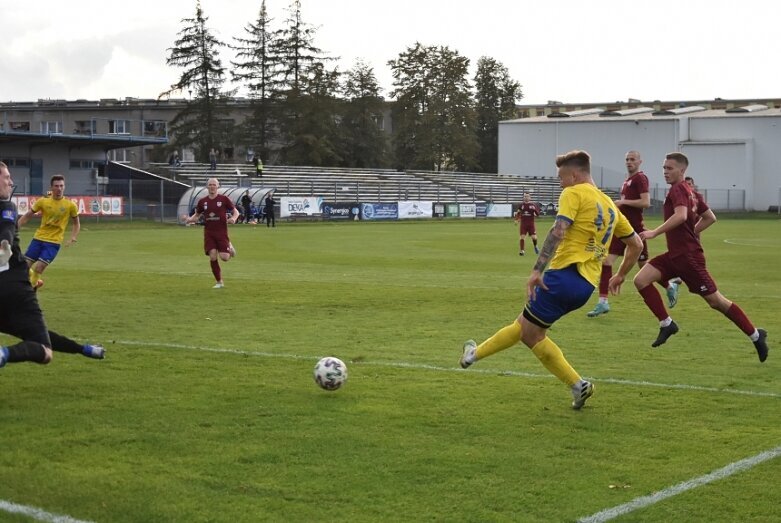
{"x": 25, "y": 217}
{"x": 634, "y": 247}
{"x": 75, "y": 230}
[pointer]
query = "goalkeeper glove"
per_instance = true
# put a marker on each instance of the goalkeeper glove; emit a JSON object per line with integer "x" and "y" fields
{"x": 5, "y": 252}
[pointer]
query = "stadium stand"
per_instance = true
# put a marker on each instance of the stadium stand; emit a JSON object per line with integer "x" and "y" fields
{"x": 371, "y": 185}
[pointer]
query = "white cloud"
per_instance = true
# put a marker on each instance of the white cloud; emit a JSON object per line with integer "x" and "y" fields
{"x": 568, "y": 50}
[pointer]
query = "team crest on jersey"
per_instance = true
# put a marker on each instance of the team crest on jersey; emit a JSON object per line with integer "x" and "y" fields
{"x": 219, "y": 204}
{"x": 9, "y": 214}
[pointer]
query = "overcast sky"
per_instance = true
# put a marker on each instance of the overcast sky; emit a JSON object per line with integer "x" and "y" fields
{"x": 565, "y": 50}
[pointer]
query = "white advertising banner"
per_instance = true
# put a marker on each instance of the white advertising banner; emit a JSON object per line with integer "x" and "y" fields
{"x": 300, "y": 205}
{"x": 499, "y": 210}
{"x": 415, "y": 209}
{"x": 467, "y": 210}
{"x": 86, "y": 205}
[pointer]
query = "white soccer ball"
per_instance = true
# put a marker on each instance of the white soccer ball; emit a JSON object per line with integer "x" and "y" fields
{"x": 330, "y": 373}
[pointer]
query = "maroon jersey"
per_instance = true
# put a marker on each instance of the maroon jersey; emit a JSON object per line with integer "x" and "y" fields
{"x": 215, "y": 213}
{"x": 631, "y": 189}
{"x": 527, "y": 211}
{"x": 682, "y": 239}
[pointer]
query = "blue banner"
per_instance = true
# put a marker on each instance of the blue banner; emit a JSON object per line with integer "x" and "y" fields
{"x": 379, "y": 211}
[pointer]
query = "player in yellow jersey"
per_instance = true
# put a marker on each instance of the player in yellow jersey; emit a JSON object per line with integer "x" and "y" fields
{"x": 586, "y": 221}
{"x": 56, "y": 211}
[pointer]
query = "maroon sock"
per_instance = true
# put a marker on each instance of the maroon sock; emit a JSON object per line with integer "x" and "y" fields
{"x": 740, "y": 319}
{"x": 522, "y": 244}
{"x": 604, "y": 279}
{"x": 216, "y": 270}
{"x": 653, "y": 300}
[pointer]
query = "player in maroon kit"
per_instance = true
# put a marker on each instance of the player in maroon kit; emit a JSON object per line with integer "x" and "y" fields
{"x": 634, "y": 199}
{"x": 215, "y": 208}
{"x": 686, "y": 259}
{"x": 525, "y": 214}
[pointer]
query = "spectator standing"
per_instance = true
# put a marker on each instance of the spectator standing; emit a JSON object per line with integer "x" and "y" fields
{"x": 270, "y": 210}
{"x": 213, "y": 159}
{"x": 258, "y": 163}
{"x": 246, "y": 205}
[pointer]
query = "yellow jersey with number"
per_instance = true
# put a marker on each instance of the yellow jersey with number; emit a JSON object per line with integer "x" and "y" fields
{"x": 55, "y": 215}
{"x": 594, "y": 220}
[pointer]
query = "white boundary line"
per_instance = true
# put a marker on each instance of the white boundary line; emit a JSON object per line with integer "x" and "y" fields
{"x": 656, "y": 497}
{"x": 37, "y": 513}
{"x": 751, "y": 242}
{"x": 423, "y": 366}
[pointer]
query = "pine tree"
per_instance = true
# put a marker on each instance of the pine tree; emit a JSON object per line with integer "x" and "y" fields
{"x": 307, "y": 94}
{"x": 199, "y": 124}
{"x": 496, "y": 96}
{"x": 259, "y": 67}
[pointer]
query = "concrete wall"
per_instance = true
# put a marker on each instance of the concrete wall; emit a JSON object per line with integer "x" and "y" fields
{"x": 531, "y": 148}
{"x": 55, "y": 159}
{"x": 728, "y": 154}
{"x": 751, "y": 144}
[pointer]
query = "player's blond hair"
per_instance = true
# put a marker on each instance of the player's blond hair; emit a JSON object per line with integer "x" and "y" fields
{"x": 578, "y": 159}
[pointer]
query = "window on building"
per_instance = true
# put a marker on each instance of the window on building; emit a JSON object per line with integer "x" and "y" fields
{"x": 85, "y": 127}
{"x": 51, "y": 127}
{"x": 155, "y": 128}
{"x": 118, "y": 127}
{"x": 119, "y": 155}
{"x": 86, "y": 164}
{"x": 15, "y": 162}
{"x": 19, "y": 126}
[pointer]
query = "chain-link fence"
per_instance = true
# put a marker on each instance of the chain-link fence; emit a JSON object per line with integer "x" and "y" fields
{"x": 729, "y": 200}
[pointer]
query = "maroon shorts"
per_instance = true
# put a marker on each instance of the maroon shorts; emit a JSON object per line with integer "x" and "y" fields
{"x": 690, "y": 268}
{"x": 215, "y": 241}
{"x": 617, "y": 248}
{"x": 528, "y": 228}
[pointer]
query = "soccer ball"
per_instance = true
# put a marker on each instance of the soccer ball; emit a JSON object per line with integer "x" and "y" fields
{"x": 330, "y": 373}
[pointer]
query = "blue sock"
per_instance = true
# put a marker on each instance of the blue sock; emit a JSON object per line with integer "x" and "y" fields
{"x": 3, "y": 356}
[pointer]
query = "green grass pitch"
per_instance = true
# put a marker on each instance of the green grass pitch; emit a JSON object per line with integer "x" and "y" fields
{"x": 205, "y": 409}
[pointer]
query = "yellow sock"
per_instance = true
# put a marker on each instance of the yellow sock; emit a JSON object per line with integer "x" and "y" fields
{"x": 505, "y": 338}
{"x": 551, "y": 357}
{"x": 34, "y": 276}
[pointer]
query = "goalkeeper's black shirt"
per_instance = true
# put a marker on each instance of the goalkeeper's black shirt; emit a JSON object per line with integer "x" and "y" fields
{"x": 16, "y": 266}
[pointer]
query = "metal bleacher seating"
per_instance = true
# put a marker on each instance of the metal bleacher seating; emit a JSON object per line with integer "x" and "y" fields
{"x": 498, "y": 188}
{"x": 370, "y": 185}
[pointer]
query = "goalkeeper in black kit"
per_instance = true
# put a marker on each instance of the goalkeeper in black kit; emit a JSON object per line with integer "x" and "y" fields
{"x": 20, "y": 314}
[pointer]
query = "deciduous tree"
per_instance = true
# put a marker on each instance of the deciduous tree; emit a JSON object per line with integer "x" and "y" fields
{"x": 496, "y": 94}
{"x": 202, "y": 123}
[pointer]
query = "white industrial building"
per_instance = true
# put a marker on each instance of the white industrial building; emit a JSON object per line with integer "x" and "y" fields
{"x": 733, "y": 153}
